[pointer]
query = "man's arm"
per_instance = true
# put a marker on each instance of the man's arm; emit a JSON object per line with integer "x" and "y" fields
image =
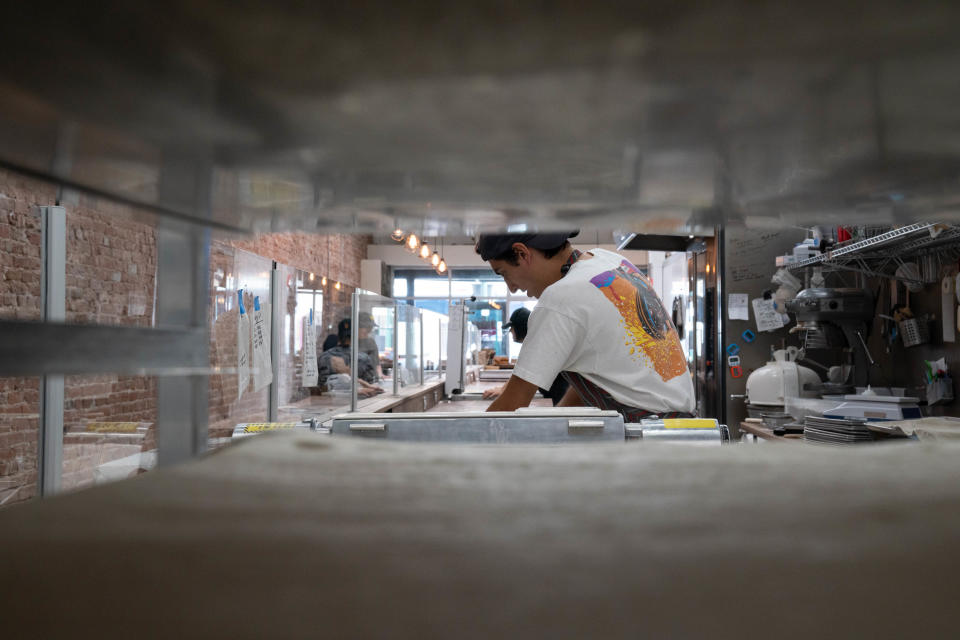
{"x": 571, "y": 399}
{"x": 339, "y": 365}
{"x": 517, "y": 393}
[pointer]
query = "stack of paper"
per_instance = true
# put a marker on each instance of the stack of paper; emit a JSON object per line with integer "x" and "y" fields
{"x": 836, "y": 431}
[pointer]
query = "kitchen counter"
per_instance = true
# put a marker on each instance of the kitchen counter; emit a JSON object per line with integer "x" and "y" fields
{"x": 304, "y": 535}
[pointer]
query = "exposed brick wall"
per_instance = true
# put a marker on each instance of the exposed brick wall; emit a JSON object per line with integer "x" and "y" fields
{"x": 19, "y": 435}
{"x": 111, "y": 266}
{"x": 108, "y": 397}
{"x": 336, "y": 256}
{"x": 20, "y": 239}
{"x": 20, "y": 284}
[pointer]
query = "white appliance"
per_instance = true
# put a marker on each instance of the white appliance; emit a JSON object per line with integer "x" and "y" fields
{"x": 781, "y": 378}
{"x": 875, "y": 407}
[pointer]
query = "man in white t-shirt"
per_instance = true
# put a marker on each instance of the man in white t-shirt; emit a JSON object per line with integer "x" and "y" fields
{"x": 598, "y": 321}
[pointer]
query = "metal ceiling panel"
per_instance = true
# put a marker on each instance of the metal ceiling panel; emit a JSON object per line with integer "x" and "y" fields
{"x": 351, "y": 116}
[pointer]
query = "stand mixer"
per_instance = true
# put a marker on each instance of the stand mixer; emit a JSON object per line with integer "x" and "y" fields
{"x": 836, "y": 318}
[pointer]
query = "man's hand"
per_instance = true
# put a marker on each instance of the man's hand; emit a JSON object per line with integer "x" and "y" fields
{"x": 516, "y": 393}
{"x": 494, "y": 392}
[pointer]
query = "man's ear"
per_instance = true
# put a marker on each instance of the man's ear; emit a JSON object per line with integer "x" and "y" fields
{"x": 522, "y": 251}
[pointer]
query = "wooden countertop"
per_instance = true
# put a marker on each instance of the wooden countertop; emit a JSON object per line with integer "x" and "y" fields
{"x": 760, "y": 430}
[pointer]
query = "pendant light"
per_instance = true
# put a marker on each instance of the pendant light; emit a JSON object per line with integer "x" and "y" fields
{"x": 398, "y": 234}
{"x": 440, "y": 265}
{"x": 412, "y": 243}
{"x": 425, "y": 251}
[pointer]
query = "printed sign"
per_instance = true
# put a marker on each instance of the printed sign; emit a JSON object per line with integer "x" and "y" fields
{"x": 243, "y": 349}
{"x": 260, "y": 332}
{"x": 310, "y": 374}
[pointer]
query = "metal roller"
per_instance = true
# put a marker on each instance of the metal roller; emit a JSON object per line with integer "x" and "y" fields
{"x": 690, "y": 430}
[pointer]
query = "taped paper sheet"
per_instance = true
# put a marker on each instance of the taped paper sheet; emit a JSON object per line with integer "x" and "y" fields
{"x": 243, "y": 349}
{"x": 738, "y": 307}
{"x": 768, "y": 318}
{"x": 310, "y": 374}
{"x": 260, "y": 332}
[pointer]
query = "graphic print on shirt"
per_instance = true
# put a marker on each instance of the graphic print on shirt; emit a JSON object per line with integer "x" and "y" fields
{"x": 650, "y": 335}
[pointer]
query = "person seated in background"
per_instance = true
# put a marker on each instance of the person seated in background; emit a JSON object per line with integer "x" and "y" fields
{"x": 367, "y": 344}
{"x": 333, "y": 366}
{"x": 330, "y": 342}
{"x": 518, "y": 328}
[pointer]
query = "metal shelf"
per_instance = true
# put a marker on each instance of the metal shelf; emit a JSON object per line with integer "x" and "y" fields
{"x": 875, "y": 256}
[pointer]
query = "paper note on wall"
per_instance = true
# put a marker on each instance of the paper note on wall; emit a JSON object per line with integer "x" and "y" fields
{"x": 767, "y": 316}
{"x": 455, "y": 361}
{"x": 310, "y": 374}
{"x": 946, "y": 310}
{"x": 260, "y": 336}
{"x": 243, "y": 350}
{"x": 738, "y": 307}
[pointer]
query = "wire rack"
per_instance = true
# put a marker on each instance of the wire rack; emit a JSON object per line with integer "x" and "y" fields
{"x": 882, "y": 255}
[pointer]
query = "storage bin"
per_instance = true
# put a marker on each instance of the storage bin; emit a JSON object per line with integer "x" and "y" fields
{"x": 914, "y": 331}
{"x": 940, "y": 390}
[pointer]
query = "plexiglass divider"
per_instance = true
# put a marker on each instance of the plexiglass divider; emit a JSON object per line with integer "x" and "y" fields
{"x": 391, "y": 336}
{"x": 434, "y": 327}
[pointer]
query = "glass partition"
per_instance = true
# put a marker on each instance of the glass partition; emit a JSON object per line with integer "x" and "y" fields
{"x": 434, "y": 343}
{"x": 409, "y": 345}
{"x": 513, "y": 347}
{"x": 109, "y": 428}
{"x": 377, "y": 339}
{"x": 233, "y": 400}
{"x": 474, "y": 343}
{"x": 300, "y": 325}
{"x": 489, "y": 316}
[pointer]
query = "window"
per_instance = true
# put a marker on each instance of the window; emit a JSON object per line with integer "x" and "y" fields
{"x": 427, "y": 290}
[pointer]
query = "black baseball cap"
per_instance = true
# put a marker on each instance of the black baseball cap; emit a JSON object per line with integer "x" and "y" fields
{"x": 343, "y": 328}
{"x": 366, "y": 322}
{"x": 518, "y": 320}
{"x": 491, "y": 245}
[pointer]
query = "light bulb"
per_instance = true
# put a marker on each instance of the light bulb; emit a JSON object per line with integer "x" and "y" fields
{"x": 311, "y": 277}
{"x": 435, "y": 259}
{"x": 424, "y": 251}
{"x": 442, "y": 267}
{"x": 413, "y": 242}
{"x": 337, "y": 286}
{"x": 398, "y": 234}
{"x": 323, "y": 281}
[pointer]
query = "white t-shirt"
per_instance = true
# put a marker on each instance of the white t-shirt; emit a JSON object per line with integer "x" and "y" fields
{"x": 604, "y": 321}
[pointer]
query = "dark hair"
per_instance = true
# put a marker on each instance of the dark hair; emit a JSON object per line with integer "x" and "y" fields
{"x": 499, "y": 246}
{"x": 330, "y": 342}
{"x": 510, "y": 255}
